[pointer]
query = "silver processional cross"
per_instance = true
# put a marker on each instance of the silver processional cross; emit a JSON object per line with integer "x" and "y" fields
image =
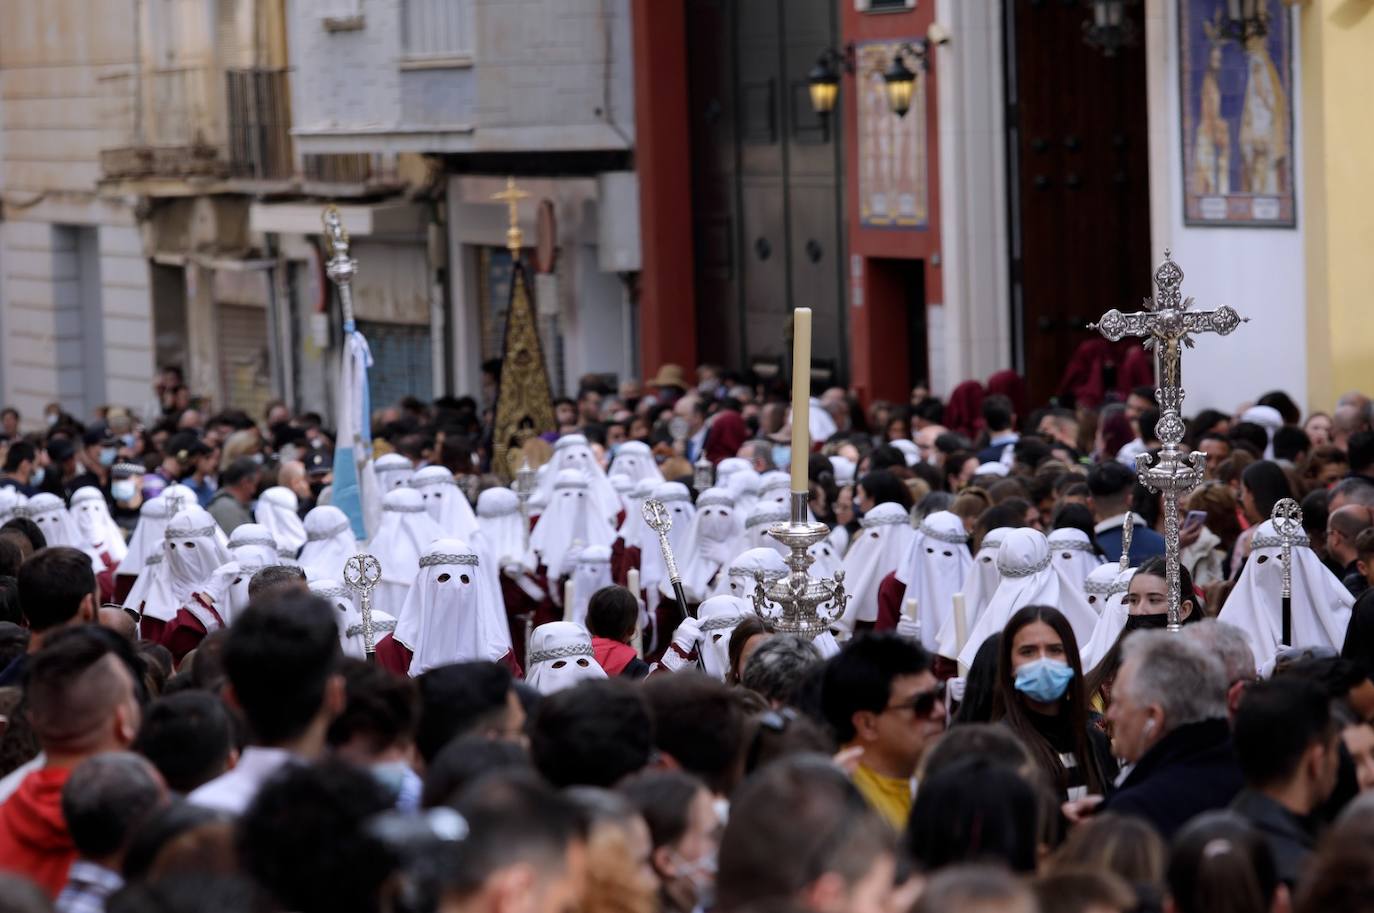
{"x": 1167, "y": 325}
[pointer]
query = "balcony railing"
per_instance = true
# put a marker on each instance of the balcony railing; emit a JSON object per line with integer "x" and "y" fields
{"x": 259, "y": 102}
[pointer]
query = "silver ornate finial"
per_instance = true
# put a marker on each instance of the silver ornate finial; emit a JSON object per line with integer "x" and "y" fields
{"x": 1287, "y": 519}
{"x": 658, "y": 519}
{"x": 340, "y": 267}
{"x": 363, "y": 573}
{"x": 1127, "y": 537}
{"x": 1167, "y": 325}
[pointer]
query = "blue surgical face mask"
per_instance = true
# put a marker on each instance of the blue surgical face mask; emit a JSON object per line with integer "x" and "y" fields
{"x": 1044, "y": 680}
{"x": 107, "y": 455}
{"x": 37, "y": 478}
{"x": 782, "y": 456}
{"x": 123, "y": 489}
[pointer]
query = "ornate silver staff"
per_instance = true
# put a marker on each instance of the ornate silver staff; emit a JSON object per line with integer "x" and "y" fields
{"x": 1167, "y": 325}
{"x": 1127, "y": 536}
{"x": 524, "y": 490}
{"x": 1287, "y": 520}
{"x": 363, "y": 573}
{"x": 340, "y": 267}
{"x": 657, "y": 518}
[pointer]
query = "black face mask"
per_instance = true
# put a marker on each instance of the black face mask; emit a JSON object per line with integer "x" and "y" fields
{"x": 1154, "y": 621}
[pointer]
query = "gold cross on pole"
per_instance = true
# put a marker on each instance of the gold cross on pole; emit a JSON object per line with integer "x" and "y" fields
{"x": 511, "y": 196}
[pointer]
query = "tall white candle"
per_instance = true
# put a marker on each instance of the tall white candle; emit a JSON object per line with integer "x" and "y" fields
{"x": 632, "y": 579}
{"x": 801, "y": 397}
{"x": 960, "y": 623}
{"x": 569, "y": 591}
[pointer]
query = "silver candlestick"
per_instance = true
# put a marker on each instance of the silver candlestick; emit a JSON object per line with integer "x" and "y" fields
{"x": 363, "y": 573}
{"x": 805, "y": 605}
{"x": 1167, "y": 325}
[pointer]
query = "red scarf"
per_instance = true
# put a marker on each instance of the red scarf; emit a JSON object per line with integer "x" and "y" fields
{"x": 611, "y": 655}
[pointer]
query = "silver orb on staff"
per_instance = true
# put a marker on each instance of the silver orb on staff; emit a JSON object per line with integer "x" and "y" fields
{"x": 1167, "y": 326}
{"x": 658, "y": 519}
{"x": 1287, "y": 520}
{"x": 363, "y": 573}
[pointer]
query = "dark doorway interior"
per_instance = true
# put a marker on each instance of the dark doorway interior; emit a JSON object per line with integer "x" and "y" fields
{"x": 1079, "y": 187}
{"x": 766, "y": 185}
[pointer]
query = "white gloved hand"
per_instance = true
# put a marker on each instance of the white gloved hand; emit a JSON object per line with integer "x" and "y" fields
{"x": 684, "y": 642}
{"x": 909, "y": 628}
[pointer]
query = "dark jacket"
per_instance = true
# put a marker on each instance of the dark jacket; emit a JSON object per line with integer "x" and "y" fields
{"x": 1145, "y": 544}
{"x": 228, "y": 511}
{"x": 1359, "y": 634}
{"x": 1289, "y": 836}
{"x": 1191, "y": 770}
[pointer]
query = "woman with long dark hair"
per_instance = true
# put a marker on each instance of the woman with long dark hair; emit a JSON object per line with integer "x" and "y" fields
{"x": 1262, "y": 485}
{"x": 1041, "y": 697}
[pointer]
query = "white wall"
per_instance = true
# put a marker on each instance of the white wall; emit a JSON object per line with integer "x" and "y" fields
{"x": 1258, "y": 271}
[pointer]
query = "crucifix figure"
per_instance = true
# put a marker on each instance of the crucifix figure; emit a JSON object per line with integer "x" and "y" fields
{"x": 1167, "y": 326}
{"x": 511, "y": 196}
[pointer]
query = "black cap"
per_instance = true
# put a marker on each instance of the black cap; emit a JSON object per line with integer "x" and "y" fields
{"x": 317, "y": 462}
{"x": 61, "y": 449}
{"x": 185, "y": 445}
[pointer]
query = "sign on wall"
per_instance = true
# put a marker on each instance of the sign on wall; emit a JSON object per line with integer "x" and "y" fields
{"x": 1237, "y": 110}
{"x": 893, "y": 174}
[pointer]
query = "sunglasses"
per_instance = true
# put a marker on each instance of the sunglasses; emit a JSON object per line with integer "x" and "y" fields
{"x": 923, "y": 703}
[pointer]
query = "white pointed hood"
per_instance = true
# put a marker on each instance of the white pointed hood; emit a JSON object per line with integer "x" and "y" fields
{"x": 329, "y": 543}
{"x": 1072, "y": 552}
{"x": 1029, "y": 577}
{"x": 635, "y": 461}
{"x": 571, "y": 518}
{"x": 878, "y": 549}
{"x": 571, "y": 452}
{"x": 1321, "y": 603}
{"x": 561, "y": 655}
{"x": 715, "y": 538}
{"x": 937, "y": 566}
{"x": 591, "y": 572}
{"x": 278, "y": 510}
{"x": 445, "y": 502}
{"x": 98, "y": 529}
{"x": 451, "y": 615}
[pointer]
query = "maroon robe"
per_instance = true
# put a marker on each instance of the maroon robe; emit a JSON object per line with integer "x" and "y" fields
{"x": 185, "y": 631}
{"x": 891, "y": 592}
{"x": 395, "y": 657}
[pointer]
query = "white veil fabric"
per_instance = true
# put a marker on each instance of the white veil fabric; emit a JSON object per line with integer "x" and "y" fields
{"x": 350, "y": 616}
{"x": 591, "y": 572}
{"x": 561, "y": 655}
{"x": 635, "y": 461}
{"x": 936, "y": 566}
{"x": 445, "y": 502}
{"x": 277, "y": 509}
{"x": 714, "y": 540}
{"x": 192, "y": 554}
{"x": 451, "y": 613}
{"x": 572, "y": 452}
{"x": 329, "y": 543}
{"x": 1115, "y": 614}
{"x": 402, "y": 537}
{"x": 98, "y": 529}
{"x": 1321, "y": 604}
{"x": 879, "y": 548}
{"x": 1029, "y": 577}
{"x": 1072, "y": 551}
{"x": 59, "y": 526}
{"x": 571, "y": 518}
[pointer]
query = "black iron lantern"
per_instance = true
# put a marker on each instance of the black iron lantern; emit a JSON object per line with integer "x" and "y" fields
{"x": 1109, "y": 28}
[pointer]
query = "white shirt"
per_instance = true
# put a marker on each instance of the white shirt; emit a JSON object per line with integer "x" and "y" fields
{"x": 10, "y": 784}
{"x": 233, "y": 791}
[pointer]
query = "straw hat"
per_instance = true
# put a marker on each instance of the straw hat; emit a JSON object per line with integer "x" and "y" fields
{"x": 669, "y": 375}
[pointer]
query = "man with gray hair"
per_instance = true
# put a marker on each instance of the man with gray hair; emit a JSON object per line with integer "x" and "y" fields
{"x": 1168, "y": 717}
{"x": 1227, "y": 643}
{"x": 104, "y": 800}
{"x": 1352, "y": 490}
{"x": 780, "y": 666}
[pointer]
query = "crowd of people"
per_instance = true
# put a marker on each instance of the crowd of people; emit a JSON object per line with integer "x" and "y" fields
{"x": 207, "y": 707}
